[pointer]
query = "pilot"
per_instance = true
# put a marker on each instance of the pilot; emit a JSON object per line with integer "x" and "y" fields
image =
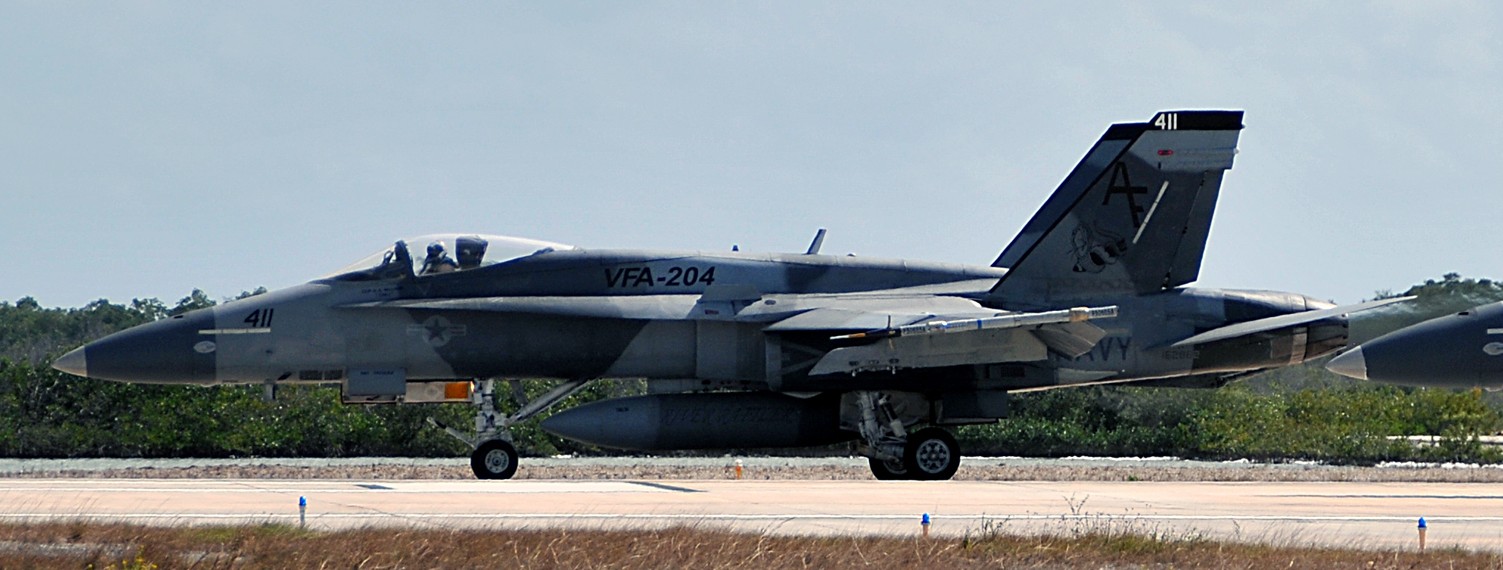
{"x": 438, "y": 261}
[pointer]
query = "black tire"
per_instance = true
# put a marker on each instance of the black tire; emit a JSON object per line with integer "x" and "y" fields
{"x": 885, "y": 471}
{"x": 931, "y": 455}
{"x": 494, "y": 459}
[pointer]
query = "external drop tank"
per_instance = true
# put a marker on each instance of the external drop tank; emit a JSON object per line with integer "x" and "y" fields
{"x": 704, "y": 421}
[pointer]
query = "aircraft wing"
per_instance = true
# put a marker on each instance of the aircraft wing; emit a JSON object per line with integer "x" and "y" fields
{"x": 1282, "y": 321}
{"x": 931, "y": 343}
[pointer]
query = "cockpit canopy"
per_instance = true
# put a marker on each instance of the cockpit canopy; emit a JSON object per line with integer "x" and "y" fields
{"x": 443, "y": 253}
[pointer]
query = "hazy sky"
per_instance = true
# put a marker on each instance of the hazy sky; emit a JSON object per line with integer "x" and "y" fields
{"x": 153, "y": 147}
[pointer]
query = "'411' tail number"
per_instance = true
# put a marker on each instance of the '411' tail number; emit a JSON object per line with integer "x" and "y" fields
{"x": 1167, "y": 121}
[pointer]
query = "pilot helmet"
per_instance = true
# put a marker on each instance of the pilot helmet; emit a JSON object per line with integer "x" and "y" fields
{"x": 436, "y": 248}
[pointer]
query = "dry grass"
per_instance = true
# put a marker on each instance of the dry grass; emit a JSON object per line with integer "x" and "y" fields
{"x": 80, "y": 545}
{"x": 652, "y": 470}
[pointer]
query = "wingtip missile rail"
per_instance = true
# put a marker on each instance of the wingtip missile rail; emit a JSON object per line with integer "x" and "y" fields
{"x": 1007, "y": 321}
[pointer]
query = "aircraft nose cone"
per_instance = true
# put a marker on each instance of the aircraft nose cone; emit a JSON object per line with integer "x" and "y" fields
{"x": 74, "y": 362}
{"x": 1350, "y": 364}
{"x": 168, "y": 351}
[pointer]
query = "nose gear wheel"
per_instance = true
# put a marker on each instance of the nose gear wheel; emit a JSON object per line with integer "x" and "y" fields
{"x": 494, "y": 459}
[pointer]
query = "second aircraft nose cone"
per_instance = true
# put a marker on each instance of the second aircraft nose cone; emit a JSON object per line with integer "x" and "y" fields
{"x": 1350, "y": 364}
{"x": 74, "y": 362}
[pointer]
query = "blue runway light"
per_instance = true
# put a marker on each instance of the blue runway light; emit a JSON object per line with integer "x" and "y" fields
{"x": 1422, "y": 534}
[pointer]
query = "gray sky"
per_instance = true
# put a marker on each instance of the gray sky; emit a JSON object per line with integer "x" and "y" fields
{"x": 153, "y": 147}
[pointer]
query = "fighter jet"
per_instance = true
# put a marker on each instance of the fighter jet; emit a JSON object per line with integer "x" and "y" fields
{"x": 752, "y": 350}
{"x": 1464, "y": 350}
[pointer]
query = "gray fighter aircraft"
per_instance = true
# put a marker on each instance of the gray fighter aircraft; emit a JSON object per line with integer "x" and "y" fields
{"x": 746, "y": 350}
{"x": 1463, "y": 350}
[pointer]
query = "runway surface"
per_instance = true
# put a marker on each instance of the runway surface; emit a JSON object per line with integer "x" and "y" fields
{"x": 1374, "y": 515}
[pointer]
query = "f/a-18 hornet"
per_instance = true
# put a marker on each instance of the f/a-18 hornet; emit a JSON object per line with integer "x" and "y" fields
{"x": 754, "y": 350}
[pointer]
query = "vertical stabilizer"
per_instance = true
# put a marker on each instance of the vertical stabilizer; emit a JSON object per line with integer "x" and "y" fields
{"x": 1131, "y": 219}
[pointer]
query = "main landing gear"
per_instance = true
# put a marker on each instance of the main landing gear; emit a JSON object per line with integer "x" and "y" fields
{"x": 929, "y": 454}
{"x": 495, "y": 457}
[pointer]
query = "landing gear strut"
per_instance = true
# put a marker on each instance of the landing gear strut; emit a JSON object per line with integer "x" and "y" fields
{"x": 929, "y": 454}
{"x": 495, "y": 457}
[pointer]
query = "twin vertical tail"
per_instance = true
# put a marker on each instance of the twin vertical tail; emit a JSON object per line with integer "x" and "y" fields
{"x": 1131, "y": 219}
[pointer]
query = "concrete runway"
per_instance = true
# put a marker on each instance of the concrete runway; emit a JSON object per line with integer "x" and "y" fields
{"x": 1368, "y": 515}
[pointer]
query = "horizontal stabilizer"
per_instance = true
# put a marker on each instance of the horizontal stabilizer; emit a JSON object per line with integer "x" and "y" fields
{"x": 1283, "y": 321}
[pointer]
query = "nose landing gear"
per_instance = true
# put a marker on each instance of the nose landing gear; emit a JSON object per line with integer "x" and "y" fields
{"x": 495, "y": 457}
